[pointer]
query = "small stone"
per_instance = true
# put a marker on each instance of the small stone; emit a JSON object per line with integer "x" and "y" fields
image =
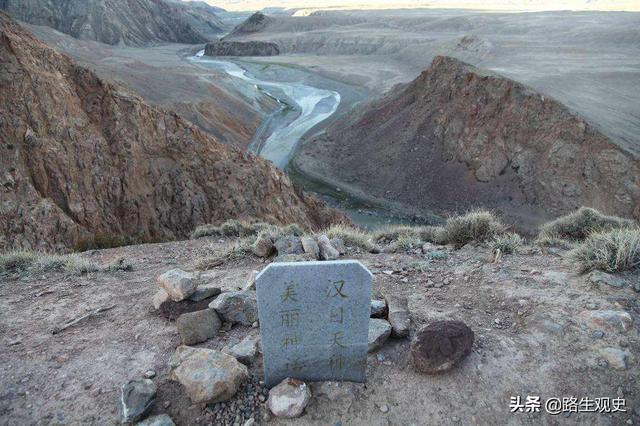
{"x": 178, "y": 284}
{"x": 208, "y": 376}
{"x": 160, "y": 420}
{"x": 166, "y": 404}
{"x": 289, "y": 398}
{"x": 384, "y": 408}
{"x": 160, "y": 298}
{"x": 197, "y": 327}
{"x": 599, "y": 277}
{"x": 327, "y": 251}
{"x": 136, "y": 399}
{"x": 245, "y": 351}
{"x": 149, "y": 374}
{"x": 379, "y": 332}
{"x": 310, "y": 246}
{"x": 339, "y": 245}
{"x": 616, "y": 358}
{"x": 387, "y": 272}
{"x": 204, "y": 292}
{"x": 441, "y": 345}
{"x": 597, "y": 334}
{"x": 289, "y": 245}
{"x": 237, "y": 307}
{"x": 399, "y": 316}
{"x": 378, "y": 308}
{"x": 263, "y": 246}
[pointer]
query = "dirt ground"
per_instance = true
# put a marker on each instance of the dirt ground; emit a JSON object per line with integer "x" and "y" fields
{"x": 527, "y": 312}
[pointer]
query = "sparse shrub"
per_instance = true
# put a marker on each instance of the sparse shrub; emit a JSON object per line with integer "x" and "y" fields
{"x": 506, "y": 243}
{"x": 611, "y": 251}
{"x": 351, "y": 236}
{"x": 236, "y": 250}
{"x": 477, "y": 225}
{"x": 409, "y": 241}
{"x": 389, "y": 233}
{"x": 553, "y": 240}
{"x": 580, "y": 224}
{"x": 432, "y": 234}
{"x": 120, "y": 264}
{"x": 239, "y": 228}
{"x": 29, "y": 262}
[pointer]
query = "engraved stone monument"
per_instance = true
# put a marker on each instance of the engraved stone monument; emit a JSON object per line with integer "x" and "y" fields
{"x": 314, "y": 320}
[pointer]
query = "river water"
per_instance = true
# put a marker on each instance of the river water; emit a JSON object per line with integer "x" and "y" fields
{"x": 314, "y": 105}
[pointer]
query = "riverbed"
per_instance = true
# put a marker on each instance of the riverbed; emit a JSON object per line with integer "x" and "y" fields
{"x": 312, "y": 105}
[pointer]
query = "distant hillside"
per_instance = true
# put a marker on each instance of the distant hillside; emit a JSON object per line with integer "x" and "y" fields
{"x": 85, "y": 162}
{"x": 458, "y": 137}
{"x": 132, "y": 22}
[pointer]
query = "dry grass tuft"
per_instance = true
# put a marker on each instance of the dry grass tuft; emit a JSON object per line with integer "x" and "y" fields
{"x": 578, "y": 225}
{"x": 25, "y": 262}
{"x": 610, "y": 251}
{"x": 351, "y": 236}
{"x": 477, "y": 225}
{"x": 507, "y": 243}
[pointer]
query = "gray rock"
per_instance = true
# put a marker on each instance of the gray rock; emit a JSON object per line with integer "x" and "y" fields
{"x": 245, "y": 351}
{"x": 616, "y": 358}
{"x": 263, "y": 246}
{"x": 327, "y": 251}
{"x": 289, "y": 245}
{"x": 379, "y": 332}
{"x": 310, "y": 246}
{"x": 197, "y": 327}
{"x": 237, "y": 307}
{"x": 160, "y": 420}
{"x": 440, "y": 346}
{"x": 178, "y": 284}
{"x": 136, "y": 399}
{"x": 208, "y": 376}
{"x": 437, "y": 255}
{"x": 599, "y": 277}
{"x": 339, "y": 245}
{"x": 636, "y": 286}
{"x": 289, "y": 398}
{"x": 204, "y": 292}
{"x": 399, "y": 317}
{"x": 172, "y": 310}
{"x": 159, "y": 298}
{"x": 378, "y": 308}
{"x": 304, "y": 257}
{"x": 597, "y": 334}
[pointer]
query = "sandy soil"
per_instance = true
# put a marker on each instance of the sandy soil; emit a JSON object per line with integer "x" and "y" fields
{"x": 526, "y": 312}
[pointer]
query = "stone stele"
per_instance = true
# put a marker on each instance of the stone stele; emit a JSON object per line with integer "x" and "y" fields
{"x": 314, "y": 320}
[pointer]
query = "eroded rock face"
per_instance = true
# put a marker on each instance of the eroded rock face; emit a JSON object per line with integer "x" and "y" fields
{"x": 241, "y": 48}
{"x": 440, "y": 346}
{"x": 118, "y": 22}
{"x": 481, "y": 140}
{"x": 93, "y": 165}
{"x": 208, "y": 376}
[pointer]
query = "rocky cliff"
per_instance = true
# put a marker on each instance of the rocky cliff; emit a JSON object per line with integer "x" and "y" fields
{"x": 84, "y": 162}
{"x": 133, "y": 22}
{"x": 253, "y": 24}
{"x": 458, "y": 137}
{"x": 238, "y": 48}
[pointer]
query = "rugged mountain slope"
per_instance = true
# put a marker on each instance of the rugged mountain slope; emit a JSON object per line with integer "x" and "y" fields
{"x": 202, "y": 17}
{"x": 82, "y": 161}
{"x": 458, "y": 137}
{"x": 132, "y": 22}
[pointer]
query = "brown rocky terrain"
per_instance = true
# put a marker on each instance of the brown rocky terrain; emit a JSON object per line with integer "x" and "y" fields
{"x": 85, "y": 162}
{"x": 541, "y": 329}
{"x": 458, "y": 137}
{"x": 132, "y": 23}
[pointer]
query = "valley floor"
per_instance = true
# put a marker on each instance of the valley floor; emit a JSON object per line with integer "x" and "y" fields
{"x": 532, "y": 315}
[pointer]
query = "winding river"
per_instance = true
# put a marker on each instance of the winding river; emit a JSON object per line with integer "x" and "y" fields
{"x": 314, "y": 105}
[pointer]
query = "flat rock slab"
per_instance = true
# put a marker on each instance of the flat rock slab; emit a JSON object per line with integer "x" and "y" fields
{"x": 172, "y": 310}
{"x": 205, "y": 292}
{"x": 237, "y": 307}
{"x": 440, "y": 346}
{"x": 314, "y": 320}
{"x": 379, "y": 332}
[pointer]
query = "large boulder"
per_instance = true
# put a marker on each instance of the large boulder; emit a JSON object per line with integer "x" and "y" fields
{"x": 208, "y": 376}
{"x": 379, "y": 332}
{"x": 136, "y": 400}
{"x": 439, "y": 346}
{"x": 310, "y": 246}
{"x": 237, "y": 307}
{"x": 199, "y": 326}
{"x": 289, "y": 398}
{"x": 178, "y": 284}
{"x": 172, "y": 310}
{"x": 289, "y": 245}
{"x": 263, "y": 246}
